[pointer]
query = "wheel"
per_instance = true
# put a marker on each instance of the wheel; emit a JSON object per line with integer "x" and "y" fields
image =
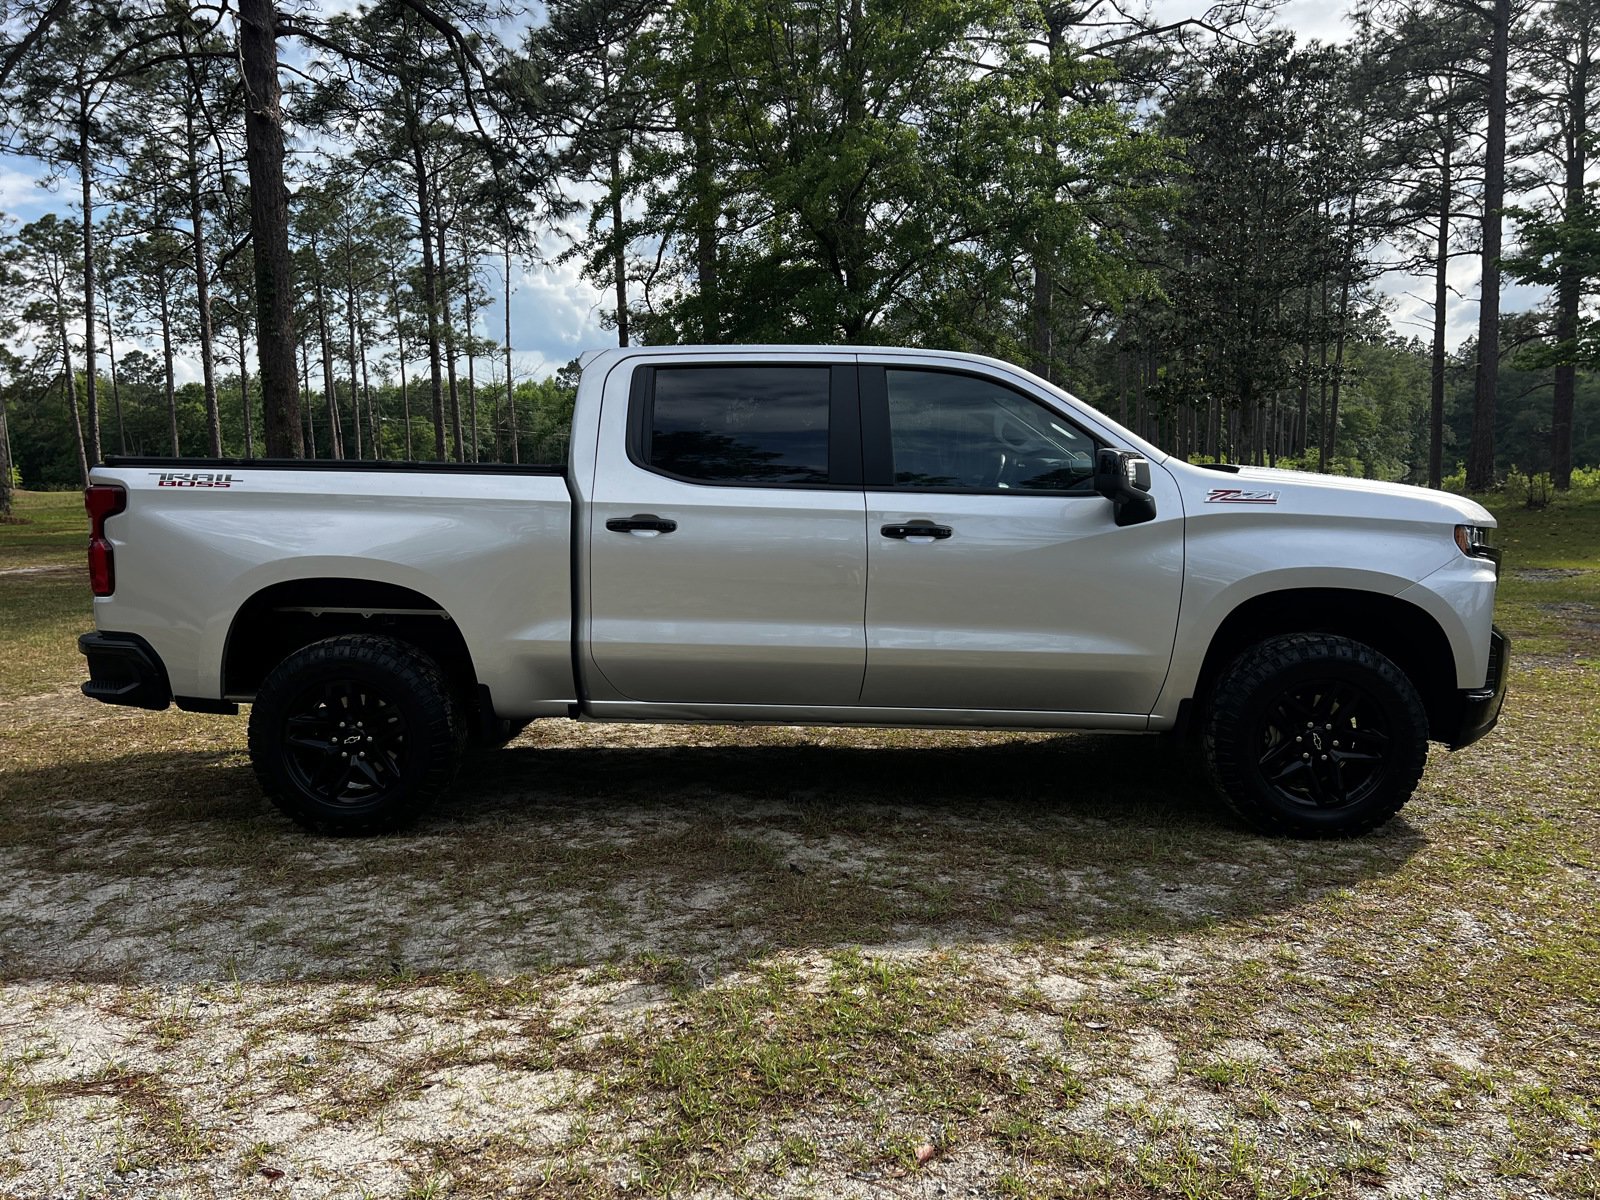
{"x": 355, "y": 734}
{"x": 1314, "y": 735}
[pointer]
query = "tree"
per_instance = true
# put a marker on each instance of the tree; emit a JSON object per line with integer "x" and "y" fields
{"x": 1437, "y": 103}
{"x": 1561, "y": 232}
{"x": 269, "y": 227}
{"x": 46, "y": 256}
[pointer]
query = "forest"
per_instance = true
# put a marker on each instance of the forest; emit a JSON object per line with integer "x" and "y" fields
{"x": 1203, "y": 226}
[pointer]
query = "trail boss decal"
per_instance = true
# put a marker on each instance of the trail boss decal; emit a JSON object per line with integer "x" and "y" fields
{"x": 195, "y": 479}
{"x": 1240, "y": 496}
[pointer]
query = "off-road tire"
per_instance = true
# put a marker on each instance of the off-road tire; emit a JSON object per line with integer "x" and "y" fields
{"x": 1314, "y": 735}
{"x": 318, "y": 772}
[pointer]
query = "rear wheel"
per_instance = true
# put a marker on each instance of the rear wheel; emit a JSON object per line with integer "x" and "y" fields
{"x": 355, "y": 734}
{"x": 1315, "y": 735}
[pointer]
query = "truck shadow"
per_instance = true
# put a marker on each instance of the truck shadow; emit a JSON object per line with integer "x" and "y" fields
{"x": 171, "y": 866}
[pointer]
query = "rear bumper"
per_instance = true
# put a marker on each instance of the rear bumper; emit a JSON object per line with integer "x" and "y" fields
{"x": 1480, "y": 707}
{"x": 124, "y": 669}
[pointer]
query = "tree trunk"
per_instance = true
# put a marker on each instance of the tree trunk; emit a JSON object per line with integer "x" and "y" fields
{"x": 202, "y": 283}
{"x": 400, "y": 339}
{"x": 350, "y": 331}
{"x": 374, "y": 411}
{"x": 1301, "y": 441}
{"x": 244, "y": 396}
{"x": 705, "y": 219}
{"x": 85, "y": 177}
{"x": 5, "y": 459}
{"x": 70, "y": 386}
{"x": 1441, "y": 299}
{"x": 335, "y": 441}
{"x": 511, "y": 389}
{"x": 1331, "y": 436}
{"x": 467, "y": 314}
{"x": 116, "y": 392}
{"x": 1040, "y": 340}
{"x": 166, "y": 355}
{"x": 430, "y": 282}
{"x": 305, "y": 389}
{"x": 450, "y": 348}
{"x": 1480, "y": 459}
{"x": 619, "y": 245}
{"x": 1322, "y": 378}
{"x": 269, "y": 228}
{"x": 1569, "y": 278}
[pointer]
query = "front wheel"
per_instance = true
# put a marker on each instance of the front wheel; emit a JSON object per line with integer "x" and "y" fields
{"x": 1314, "y": 735}
{"x": 355, "y": 734}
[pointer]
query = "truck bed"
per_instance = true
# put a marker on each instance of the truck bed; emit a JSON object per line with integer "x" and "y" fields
{"x": 206, "y": 547}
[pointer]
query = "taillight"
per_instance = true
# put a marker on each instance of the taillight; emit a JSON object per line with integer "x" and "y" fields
{"x": 102, "y": 500}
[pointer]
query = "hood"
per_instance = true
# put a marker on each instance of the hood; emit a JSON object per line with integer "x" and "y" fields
{"x": 1332, "y": 494}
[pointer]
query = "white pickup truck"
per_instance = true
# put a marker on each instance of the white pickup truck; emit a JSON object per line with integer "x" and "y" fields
{"x": 816, "y": 536}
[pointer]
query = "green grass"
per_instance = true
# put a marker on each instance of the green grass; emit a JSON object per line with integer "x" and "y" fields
{"x": 1549, "y": 616}
{"x": 46, "y": 529}
{"x": 42, "y": 611}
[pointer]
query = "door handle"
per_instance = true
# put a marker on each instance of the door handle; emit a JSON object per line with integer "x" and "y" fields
{"x": 641, "y": 523}
{"x": 917, "y": 533}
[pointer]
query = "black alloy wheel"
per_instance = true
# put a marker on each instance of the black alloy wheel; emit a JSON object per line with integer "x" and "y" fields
{"x": 1325, "y": 744}
{"x": 345, "y": 742}
{"x": 355, "y": 734}
{"x": 1314, "y": 735}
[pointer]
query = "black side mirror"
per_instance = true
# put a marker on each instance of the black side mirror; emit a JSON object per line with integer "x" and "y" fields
{"x": 1123, "y": 478}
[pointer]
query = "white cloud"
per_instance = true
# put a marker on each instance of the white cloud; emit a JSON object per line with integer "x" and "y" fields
{"x": 20, "y": 196}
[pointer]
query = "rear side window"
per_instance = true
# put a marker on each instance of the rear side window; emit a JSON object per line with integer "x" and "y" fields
{"x": 737, "y": 424}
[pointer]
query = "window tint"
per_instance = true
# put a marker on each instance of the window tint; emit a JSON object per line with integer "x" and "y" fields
{"x": 959, "y": 433}
{"x": 741, "y": 424}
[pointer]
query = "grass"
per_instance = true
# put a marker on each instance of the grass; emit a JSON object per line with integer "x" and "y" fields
{"x": 47, "y": 529}
{"x": 678, "y": 961}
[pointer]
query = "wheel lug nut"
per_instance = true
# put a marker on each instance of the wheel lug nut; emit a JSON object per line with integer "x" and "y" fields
{"x": 1324, "y": 757}
{"x": 1299, "y": 739}
{"x": 1307, "y": 757}
{"x": 344, "y": 754}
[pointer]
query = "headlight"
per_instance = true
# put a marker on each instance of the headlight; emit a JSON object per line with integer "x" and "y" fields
{"x": 1473, "y": 541}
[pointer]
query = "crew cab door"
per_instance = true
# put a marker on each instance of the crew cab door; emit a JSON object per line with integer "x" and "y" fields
{"x": 727, "y": 546}
{"x": 996, "y": 577}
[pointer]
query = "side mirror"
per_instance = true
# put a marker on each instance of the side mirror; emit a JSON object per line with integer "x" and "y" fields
{"x": 1123, "y": 478}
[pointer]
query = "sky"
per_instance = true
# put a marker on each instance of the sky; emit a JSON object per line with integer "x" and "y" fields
{"x": 556, "y": 314}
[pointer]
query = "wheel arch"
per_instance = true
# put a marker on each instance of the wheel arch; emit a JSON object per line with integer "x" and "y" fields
{"x": 285, "y": 616}
{"x": 1404, "y": 633}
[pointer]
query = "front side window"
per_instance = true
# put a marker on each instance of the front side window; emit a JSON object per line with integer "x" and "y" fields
{"x": 735, "y": 424}
{"x": 950, "y": 432}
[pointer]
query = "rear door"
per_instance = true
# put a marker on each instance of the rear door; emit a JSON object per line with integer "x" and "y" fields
{"x": 727, "y": 548}
{"x": 996, "y": 577}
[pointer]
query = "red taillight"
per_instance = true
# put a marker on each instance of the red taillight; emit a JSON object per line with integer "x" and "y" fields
{"x": 102, "y": 500}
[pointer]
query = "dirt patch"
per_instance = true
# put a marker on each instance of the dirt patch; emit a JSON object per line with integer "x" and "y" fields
{"x": 52, "y": 569}
{"x": 1545, "y": 574}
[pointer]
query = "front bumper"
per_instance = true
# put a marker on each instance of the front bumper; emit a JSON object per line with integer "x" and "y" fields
{"x": 124, "y": 669}
{"x": 1480, "y": 707}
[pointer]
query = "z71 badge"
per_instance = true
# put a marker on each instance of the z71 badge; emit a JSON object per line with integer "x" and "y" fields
{"x": 1239, "y": 496}
{"x": 194, "y": 479}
